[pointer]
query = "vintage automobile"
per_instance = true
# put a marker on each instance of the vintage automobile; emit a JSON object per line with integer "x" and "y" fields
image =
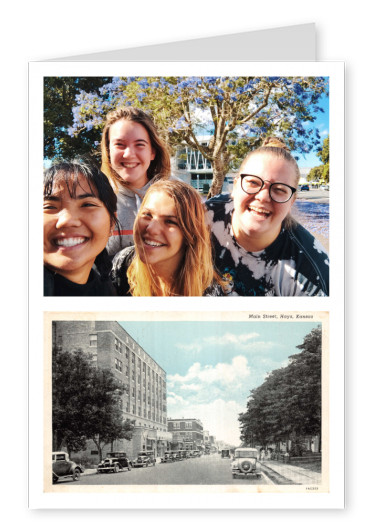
{"x": 167, "y": 458}
{"x": 114, "y": 462}
{"x": 225, "y": 453}
{"x": 196, "y": 453}
{"x": 63, "y": 467}
{"x": 246, "y": 463}
{"x": 144, "y": 459}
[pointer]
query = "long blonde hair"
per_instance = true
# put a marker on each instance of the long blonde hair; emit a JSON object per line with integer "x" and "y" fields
{"x": 160, "y": 167}
{"x": 196, "y": 271}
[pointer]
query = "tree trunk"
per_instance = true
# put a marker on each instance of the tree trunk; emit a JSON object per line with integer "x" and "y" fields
{"x": 98, "y": 445}
{"x": 220, "y": 168}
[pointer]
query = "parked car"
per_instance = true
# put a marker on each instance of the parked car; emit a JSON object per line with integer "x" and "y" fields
{"x": 325, "y": 187}
{"x": 225, "y": 454}
{"x": 167, "y": 458}
{"x": 304, "y": 187}
{"x": 144, "y": 459}
{"x": 114, "y": 462}
{"x": 246, "y": 463}
{"x": 63, "y": 467}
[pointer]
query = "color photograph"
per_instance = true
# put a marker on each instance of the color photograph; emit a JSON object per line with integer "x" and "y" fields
{"x": 186, "y": 186}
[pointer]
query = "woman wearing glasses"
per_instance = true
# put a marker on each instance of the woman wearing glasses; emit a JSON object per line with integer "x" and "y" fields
{"x": 259, "y": 248}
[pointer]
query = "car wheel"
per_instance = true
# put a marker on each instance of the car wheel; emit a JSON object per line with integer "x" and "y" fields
{"x": 116, "y": 469}
{"x": 245, "y": 466}
{"x": 54, "y": 479}
{"x": 76, "y": 474}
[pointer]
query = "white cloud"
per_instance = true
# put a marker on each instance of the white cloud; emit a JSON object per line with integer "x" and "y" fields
{"x": 222, "y": 373}
{"x": 175, "y": 400}
{"x": 191, "y": 387}
{"x": 242, "y": 342}
{"x": 191, "y": 348}
{"x": 232, "y": 339}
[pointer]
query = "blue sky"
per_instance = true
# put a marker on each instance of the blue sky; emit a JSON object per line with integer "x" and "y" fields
{"x": 212, "y": 366}
{"x": 310, "y": 160}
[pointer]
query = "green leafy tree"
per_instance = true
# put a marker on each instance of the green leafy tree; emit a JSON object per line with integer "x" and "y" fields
{"x": 86, "y": 403}
{"x": 287, "y": 406}
{"x": 59, "y": 98}
{"x": 321, "y": 172}
{"x": 235, "y": 111}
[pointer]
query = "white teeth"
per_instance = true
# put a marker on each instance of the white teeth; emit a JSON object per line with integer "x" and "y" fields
{"x": 129, "y": 165}
{"x": 153, "y": 244}
{"x": 69, "y": 242}
{"x": 260, "y": 210}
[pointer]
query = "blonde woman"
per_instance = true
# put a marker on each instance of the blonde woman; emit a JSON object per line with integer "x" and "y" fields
{"x": 259, "y": 248}
{"x": 172, "y": 255}
{"x": 134, "y": 156}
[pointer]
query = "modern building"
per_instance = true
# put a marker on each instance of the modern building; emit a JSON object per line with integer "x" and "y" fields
{"x": 191, "y": 166}
{"x": 144, "y": 401}
{"x": 187, "y": 434}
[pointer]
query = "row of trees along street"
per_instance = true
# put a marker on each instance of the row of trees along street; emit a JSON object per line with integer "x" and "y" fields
{"x": 287, "y": 406}
{"x": 237, "y": 112}
{"x": 86, "y": 403}
{"x": 321, "y": 172}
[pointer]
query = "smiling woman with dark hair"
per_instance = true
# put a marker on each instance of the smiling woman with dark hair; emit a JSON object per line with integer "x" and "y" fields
{"x": 79, "y": 212}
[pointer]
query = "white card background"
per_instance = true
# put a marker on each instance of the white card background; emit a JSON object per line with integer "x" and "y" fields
{"x": 332, "y": 304}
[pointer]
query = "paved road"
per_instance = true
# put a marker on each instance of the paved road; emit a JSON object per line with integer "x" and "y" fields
{"x": 315, "y": 196}
{"x": 205, "y": 470}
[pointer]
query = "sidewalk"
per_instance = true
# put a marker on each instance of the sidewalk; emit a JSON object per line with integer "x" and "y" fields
{"x": 295, "y": 474}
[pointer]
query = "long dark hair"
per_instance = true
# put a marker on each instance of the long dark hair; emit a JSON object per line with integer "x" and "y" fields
{"x": 69, "y": 172}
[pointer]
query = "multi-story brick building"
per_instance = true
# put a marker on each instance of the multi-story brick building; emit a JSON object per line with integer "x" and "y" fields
{"x": 187, "y": 434}
{"x": 144, "y": 401}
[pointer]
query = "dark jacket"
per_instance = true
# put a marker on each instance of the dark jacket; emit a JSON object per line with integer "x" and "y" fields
{"x": 98, "y": 285}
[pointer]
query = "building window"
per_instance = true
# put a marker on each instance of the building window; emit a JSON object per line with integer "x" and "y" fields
{"x": 93, "y": 340}
{"x": 118, "y": 365}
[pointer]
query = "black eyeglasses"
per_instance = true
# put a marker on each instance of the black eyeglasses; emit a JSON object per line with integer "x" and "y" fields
{"x": 279, "y": 192}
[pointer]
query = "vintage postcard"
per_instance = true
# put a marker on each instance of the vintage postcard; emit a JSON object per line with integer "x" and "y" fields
{"x": 211, "y": 403}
